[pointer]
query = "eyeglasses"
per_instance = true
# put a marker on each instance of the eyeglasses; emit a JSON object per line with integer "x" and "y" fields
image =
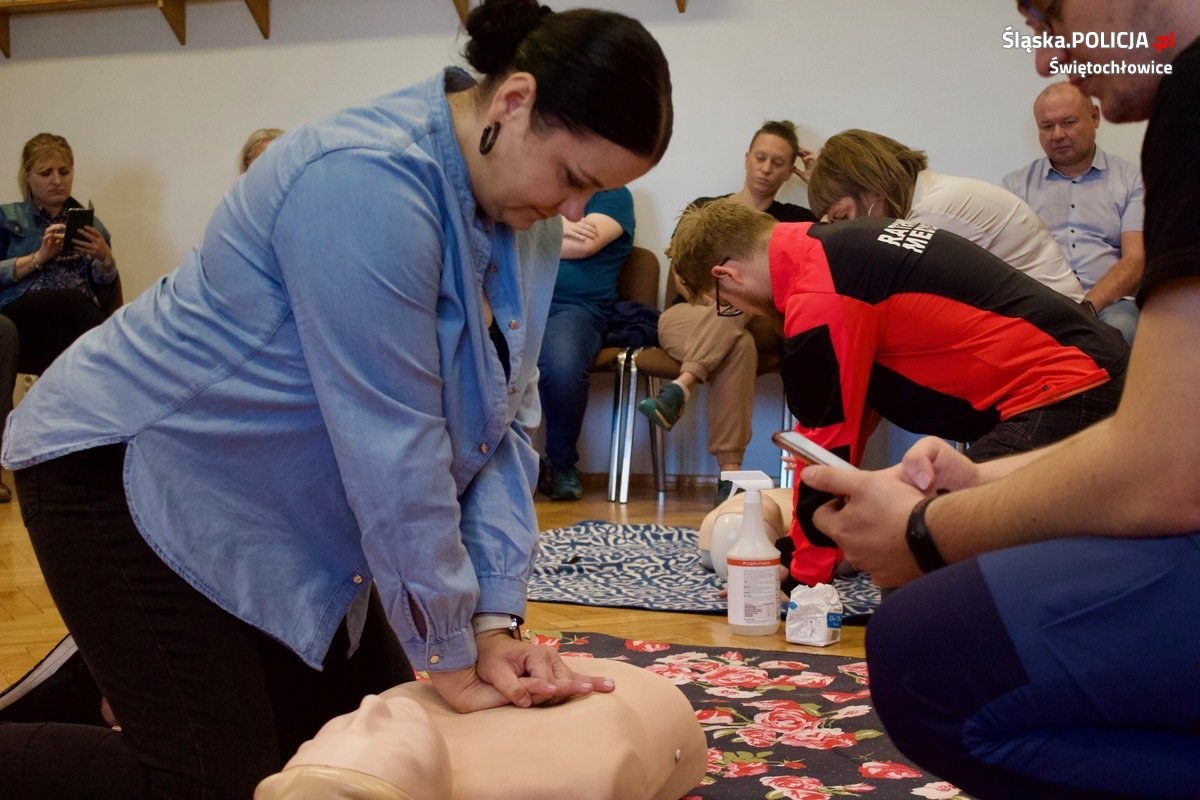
{"x": 723, "y": 309}
{"x": 1041, "y": 14}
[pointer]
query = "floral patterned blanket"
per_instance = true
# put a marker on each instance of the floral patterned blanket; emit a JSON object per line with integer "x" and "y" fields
{"x": 780, "y": 726}
{"x": 655, "y": 567}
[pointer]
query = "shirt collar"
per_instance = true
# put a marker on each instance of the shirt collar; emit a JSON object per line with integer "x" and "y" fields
{"x": 452, "y": 79}
{"x": 1099, "y": 164}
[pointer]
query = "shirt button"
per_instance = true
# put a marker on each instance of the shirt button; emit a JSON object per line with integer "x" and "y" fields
{"x": 435, "y": 659}
{"x": 358, "y": 579}
{"x": 513, "y": 325}
{"x": 483, "y": 448}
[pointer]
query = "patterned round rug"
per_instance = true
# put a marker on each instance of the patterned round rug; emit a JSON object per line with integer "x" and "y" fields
{"x": 654, "y": 567}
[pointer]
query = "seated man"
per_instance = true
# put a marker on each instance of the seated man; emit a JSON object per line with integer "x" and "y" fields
{"x": 898, "y": 319}
{"x": 593, "y": 251}
{"x": 1090, "y": 200}
{"x": 724, "y": 351}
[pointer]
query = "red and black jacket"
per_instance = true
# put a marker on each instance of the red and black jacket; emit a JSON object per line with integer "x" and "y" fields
{"x": 900, "y": 320}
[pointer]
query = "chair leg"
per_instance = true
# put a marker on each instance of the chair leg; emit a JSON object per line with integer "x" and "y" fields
{"x": 618, "y": 424}
{"x": 789, "y": 422}
{"x": 627, "y": 431}
{"x": 657, "y": 443}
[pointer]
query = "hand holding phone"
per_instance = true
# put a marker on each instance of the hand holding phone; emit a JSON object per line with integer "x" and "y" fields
{"x": 808, "y": 451}
{"x": 77, "y": 220}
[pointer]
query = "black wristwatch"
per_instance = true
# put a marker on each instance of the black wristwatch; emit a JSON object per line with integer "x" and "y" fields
{"x": 920, "y": 543}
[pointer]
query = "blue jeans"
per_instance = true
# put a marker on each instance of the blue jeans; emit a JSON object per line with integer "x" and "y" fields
{"x": 574, "y": 334}
{"x": 1122, "y": 315}
{"x": 1064, "y": 669}
{"x": 208, "y": 704}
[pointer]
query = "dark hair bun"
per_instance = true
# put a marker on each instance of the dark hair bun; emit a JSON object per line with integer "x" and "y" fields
{"x": 497, "y": 28}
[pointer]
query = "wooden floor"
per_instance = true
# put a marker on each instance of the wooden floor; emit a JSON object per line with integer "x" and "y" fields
{"x": 30, "y": 625}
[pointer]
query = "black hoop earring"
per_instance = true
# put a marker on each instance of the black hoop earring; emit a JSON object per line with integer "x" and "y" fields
{"x": 488, "y": 139}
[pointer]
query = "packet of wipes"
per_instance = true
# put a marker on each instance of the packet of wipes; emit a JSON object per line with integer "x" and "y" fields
{"x": 814, "y": 615}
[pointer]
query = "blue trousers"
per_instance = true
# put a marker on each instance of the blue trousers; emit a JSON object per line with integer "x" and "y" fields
{"x": 1064, "y": 669}
{"x": 574, "y": 334}
{"x": 1122, "y": 315}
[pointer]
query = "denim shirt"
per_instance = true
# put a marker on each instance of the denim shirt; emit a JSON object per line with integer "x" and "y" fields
{"x": 312, "y": 400}
{"x": 22, "y": 226}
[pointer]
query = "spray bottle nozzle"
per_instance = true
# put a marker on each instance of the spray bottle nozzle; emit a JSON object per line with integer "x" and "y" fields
{"x": 748, "y": 479}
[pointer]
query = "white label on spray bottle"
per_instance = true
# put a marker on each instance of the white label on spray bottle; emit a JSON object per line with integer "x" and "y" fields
{"x": 753, "y": 591}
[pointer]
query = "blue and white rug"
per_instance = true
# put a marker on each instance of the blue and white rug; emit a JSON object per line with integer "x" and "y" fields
{"x": 654, "y": 567}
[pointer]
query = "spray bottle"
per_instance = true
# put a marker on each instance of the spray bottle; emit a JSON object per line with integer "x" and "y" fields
{"x": 753, "y": 560}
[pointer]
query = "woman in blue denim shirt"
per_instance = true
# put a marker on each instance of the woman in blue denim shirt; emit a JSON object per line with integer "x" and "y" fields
{"x": 47, "y": 296}
{"x": 332, "y": 393}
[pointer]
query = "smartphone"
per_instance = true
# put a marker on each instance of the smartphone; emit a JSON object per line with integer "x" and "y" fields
{"x": 808, "y": 451}
{"x": 77, "y": 219}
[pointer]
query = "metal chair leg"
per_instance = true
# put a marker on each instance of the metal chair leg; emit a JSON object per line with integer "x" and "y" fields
{"x": 657, "y": 443}
{"x": 627, "y": 432}
{"x": 618, "y": 419}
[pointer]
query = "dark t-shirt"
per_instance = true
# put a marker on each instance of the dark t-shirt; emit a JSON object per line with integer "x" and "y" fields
{"x": 783, "y": 212}
{"x": 1171, "y": 170}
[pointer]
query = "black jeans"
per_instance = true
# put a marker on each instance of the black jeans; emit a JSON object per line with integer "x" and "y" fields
{"x": 208, "y": 705}
{"x": 1050, "y": 424}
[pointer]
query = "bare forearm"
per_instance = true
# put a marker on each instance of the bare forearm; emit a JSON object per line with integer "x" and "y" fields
{"x": 1123, "y": 277}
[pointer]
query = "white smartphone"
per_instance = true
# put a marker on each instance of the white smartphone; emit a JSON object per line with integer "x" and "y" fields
{"x": 809, "y": 451}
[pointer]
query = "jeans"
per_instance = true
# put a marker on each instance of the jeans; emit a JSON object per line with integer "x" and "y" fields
{"x": 1049, "y": 424}
{"x": 208, "y": 705}
{"x": 574, "y": 334}
{"x": 1122, "y": 315}
{"x": 1063, "y": 670}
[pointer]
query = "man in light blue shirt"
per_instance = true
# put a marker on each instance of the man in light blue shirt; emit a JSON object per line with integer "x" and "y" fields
{"x": 1090, "y": 200}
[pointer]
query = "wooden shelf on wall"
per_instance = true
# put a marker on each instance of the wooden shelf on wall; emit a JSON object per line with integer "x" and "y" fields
{"x": 173, "y": 11}
{"x": 463, "y": 7}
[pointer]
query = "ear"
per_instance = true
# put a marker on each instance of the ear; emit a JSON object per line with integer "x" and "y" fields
{"x": 515, "y": 93}
{"x": 731, "y": 270}
{"x": 871, "y": 199}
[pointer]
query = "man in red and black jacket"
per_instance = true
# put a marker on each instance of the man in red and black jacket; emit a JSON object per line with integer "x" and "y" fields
{"x": 900, "y": 320}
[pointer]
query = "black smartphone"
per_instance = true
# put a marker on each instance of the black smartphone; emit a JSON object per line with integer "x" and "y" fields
{"x": 77, "y": 219}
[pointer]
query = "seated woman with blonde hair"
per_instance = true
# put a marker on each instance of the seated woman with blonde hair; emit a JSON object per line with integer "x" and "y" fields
{"x": 51, "y": 290}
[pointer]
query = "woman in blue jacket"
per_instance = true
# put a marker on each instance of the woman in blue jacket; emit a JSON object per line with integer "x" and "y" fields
{"x": 50, "y": 293}
{"x": 332, "y": 392}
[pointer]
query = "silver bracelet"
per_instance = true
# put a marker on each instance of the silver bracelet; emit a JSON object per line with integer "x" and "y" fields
{"x": 36, "y": 265}
{"x": 482, "y": 623}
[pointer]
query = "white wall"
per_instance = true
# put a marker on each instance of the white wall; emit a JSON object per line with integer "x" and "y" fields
{"x": 156, "y": 127}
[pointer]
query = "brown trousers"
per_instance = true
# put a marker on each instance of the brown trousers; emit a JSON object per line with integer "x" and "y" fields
{"x": 724, "y": 353}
